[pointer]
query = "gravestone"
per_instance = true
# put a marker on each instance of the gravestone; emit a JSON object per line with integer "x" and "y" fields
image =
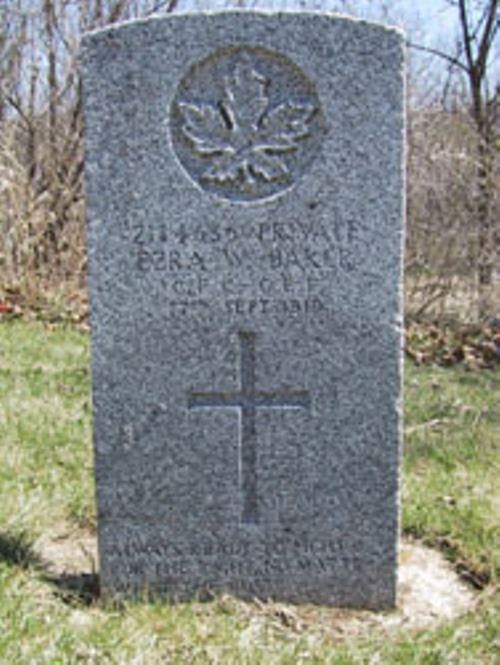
{"x": 244, "y": 191}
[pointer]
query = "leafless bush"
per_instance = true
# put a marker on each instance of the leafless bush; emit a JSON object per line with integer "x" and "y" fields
{"x": 41, "y": 125}
{"x": 41, "y": 165}
{"x": 442, "y": 237}
{"x": 41, "y": 208}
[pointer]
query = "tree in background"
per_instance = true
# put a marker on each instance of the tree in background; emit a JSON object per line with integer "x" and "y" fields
{"x": 41, "y": 134}
{"x": 453, "y": 147}
{"x": 475, "y": 48}
{"x": 452, "y": 189}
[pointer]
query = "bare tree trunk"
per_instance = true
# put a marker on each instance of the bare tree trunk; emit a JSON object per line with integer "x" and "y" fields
{"x": 483, "y": 36}
{"x": 51, "y": 80}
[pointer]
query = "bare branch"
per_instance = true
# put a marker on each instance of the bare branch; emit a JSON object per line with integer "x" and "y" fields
{"x": 489, "y": 33}
{"x": 467, "y": 39}
{"x": 440, "y": 54}
{"x": 168, "y": 5}
{"x": 16, "y": 105}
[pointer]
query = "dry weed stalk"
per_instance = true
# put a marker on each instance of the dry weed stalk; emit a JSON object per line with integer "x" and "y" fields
{"x": 449, "y": 249}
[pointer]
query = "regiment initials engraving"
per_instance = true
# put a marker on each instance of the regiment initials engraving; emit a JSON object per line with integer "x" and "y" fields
{"x": 247, "y": 400}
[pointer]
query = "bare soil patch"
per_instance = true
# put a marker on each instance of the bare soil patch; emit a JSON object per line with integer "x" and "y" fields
{"x": 429, "y": 590}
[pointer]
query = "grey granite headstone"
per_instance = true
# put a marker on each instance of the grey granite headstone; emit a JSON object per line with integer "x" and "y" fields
{"x": 244, "y": 176}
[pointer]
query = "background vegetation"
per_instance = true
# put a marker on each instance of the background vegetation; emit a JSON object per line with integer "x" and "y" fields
{"x": 453, "y": 146}
{"x": 452, "y": 463}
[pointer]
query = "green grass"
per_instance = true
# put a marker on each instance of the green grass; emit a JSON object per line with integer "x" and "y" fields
{"x": 452, "y": 465}
{"x": 451, "y": 500}
{"x": 46, "y": 470}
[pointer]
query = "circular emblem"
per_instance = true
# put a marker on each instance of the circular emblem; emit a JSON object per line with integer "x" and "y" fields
{"x": 245, "y": 123}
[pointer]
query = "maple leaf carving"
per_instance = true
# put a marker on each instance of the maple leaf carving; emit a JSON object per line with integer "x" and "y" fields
{"x": 242, "y": 136}
{"x": 287, "y": 124}
{"x": 204, "y": 126}
{"x": 245, "y": 101}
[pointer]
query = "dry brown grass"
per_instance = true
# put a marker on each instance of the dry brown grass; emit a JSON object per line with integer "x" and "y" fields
{"x": 42, "y": 226}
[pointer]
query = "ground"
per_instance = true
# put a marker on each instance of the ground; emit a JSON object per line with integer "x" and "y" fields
{"x": 429, "y": 590}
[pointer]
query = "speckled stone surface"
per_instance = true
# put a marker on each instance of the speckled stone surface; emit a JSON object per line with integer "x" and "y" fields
{"x": 244, "y": 191}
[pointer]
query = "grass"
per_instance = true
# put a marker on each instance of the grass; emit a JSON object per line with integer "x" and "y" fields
{"x": 452, "y": 466}
{"x": 451, "y": 501}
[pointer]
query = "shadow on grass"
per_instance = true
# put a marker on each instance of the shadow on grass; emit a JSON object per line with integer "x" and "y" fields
{"x": 76, "y": 589}
{"x": 16, "y": 549}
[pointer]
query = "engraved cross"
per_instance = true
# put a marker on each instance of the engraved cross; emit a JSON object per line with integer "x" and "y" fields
{"x": 248, "y": 399}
